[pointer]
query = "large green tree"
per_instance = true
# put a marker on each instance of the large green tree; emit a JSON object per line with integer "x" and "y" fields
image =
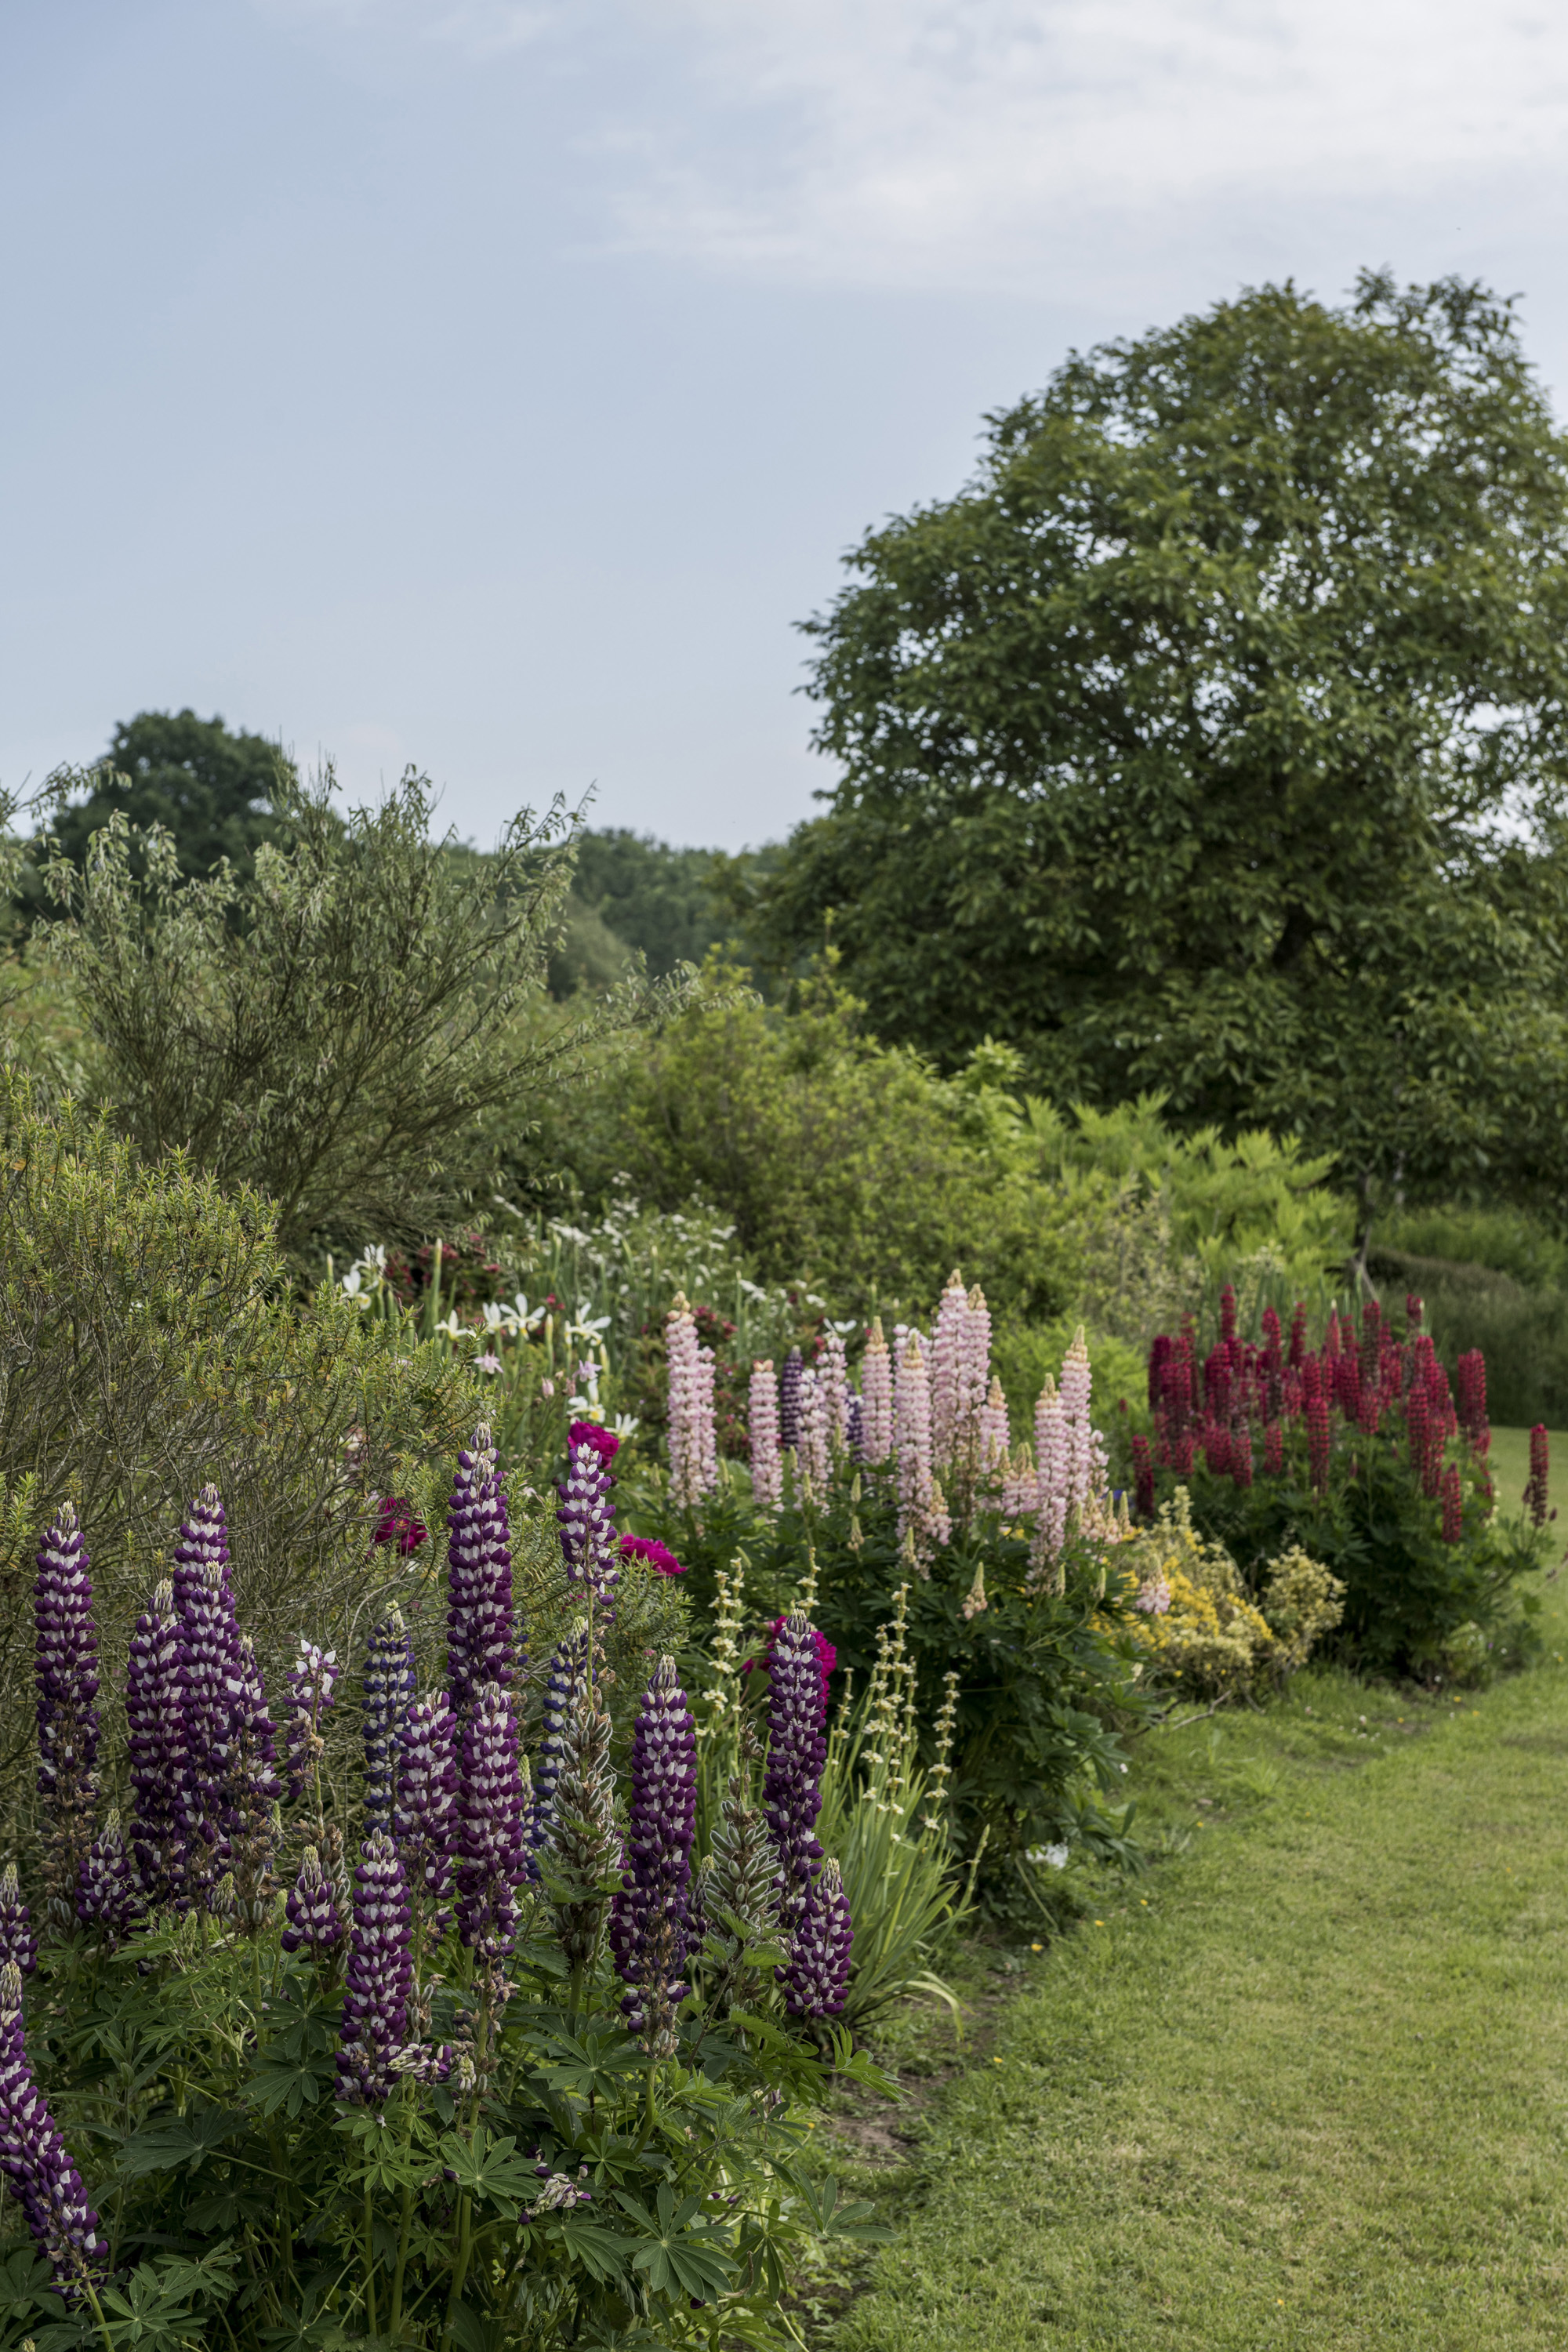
{"x": 1215, "y": 739}
{"x": 213, "y": 789}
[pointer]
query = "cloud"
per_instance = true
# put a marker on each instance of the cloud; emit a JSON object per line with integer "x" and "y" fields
{"x": 921, "y": 141}
{"x": 1014, "y": 144}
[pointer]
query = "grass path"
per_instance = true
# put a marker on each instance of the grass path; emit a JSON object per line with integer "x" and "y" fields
{"x": 1306, "y": 2084}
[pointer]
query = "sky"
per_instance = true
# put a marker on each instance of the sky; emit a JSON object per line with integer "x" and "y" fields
{"x": 494, "y": 384}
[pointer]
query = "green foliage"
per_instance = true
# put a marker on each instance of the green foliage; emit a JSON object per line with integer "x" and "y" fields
{"x": 844, "y": 1166}
{"x": 148, "y": 1344}
{"x": 218, "y": 793}
{"x": 1047, "y": 1683}
{"x": 657, "y": 900}
{"x": 336, "y": 1031}
{"x": 1508, "y": 1241}
{"x": 1186, "y": 749}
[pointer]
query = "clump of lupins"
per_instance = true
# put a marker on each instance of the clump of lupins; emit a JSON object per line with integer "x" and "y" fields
{"x": 445, "y": 1816}
{"x": 65, "y": 1671}
{"x": 1363, "y": 1387}
{"x": 693, "y": 1440}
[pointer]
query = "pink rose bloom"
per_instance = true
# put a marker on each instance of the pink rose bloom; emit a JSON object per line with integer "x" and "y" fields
{"x": 605, "y": 1441}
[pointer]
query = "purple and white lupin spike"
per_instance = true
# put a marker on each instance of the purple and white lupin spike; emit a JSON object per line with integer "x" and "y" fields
{"x": 426, "y": 1819}
{"x": 314, "y": 1923}
{"x": 34, "y": 2163}
{"x": 481, "y": 1639}
{"x": 109, "y": 1894}
{"x": 790, "y": 1381}
{"x": 387, "y": 1695}
{"x": 213, "y": 1683}
{"x": 566, "y": 1680}
{"x": 312, "y": 1679}
{"x": 378, "y": 1977}
{"x": 491, "y": 1843}
{"x": 18, "y": 1945}
{"x": 251, "y": 1793}
{"x": 649, "y": 1915}
{"x": 66, "y": 1670}
{"x": 817, "y": 1970}
{"x": 156, "y": 1723}
{"x": 797, "y": 1752}
{"x": 590, "y": 1544}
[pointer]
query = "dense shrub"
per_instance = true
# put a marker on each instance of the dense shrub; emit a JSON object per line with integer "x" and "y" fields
{"x": 149, "y": 1343}
{"x": 1194, "y": 1612}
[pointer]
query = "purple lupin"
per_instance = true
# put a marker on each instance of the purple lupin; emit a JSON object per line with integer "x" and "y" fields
{"x": 252, "y": 1790}
{"x": 797, "y": 1752}
{"x": 790, "y": 1381}
{"x": 214, "y": 1686}
{"x": 817, "y": 1970}
{"x": 387, "y": 1694}
{"x": 492, "y": 1853}
{"x": 34, "y": 2163}
{"x": 377, "y": 1979}
{"x": 109, "y": 1896}
{"x": 65, "y": 1671}
{"x": 590, "y": 1544}
{"x": 155, "y": 1725}
{"x": 565, "y": 1683}
{"x": 17, "y": 1942}
{"x": 649, "y": 1915}
{"x": 312, "y": 1679}
{"x": 314, "y": 1923}
{"x": 424, "y": 1817}
{"x": 482, "y": 1636}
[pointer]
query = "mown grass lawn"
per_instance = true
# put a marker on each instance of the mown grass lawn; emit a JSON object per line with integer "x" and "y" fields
{"x": 1304, "y": 2085}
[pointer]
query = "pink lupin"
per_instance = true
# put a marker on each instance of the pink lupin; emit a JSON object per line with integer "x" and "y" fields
{"x": 763, "y": 1417}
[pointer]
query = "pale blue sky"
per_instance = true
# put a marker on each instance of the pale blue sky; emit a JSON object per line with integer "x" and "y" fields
{"x": 491, "y": 386}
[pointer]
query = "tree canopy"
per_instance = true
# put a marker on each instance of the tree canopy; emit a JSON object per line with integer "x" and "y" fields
{"x": 213, "y": 789}
{"x": 1213, "y": 738}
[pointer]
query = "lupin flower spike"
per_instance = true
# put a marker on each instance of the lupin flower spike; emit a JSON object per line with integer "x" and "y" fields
{"x": 493, "y": 1854}
{"x": 584, "y": 1838}
{"x": 762, "y": 1418}
{"x": 18, "y": 1946}
{"x": 314, "y": 1924}
{"x": 797, "y": 1752}
{"x": 213, "y": 1683}
{"x": 481, "y": 1635}
{"x": 34, "y": 2163}
{"x": 377, "y": 1979}
{"x": 693, "y": 1440}
{"x": 590, "y": 1544}
{"x": 108, "y": 1895}
{"x": 566, "y": 1678}
{"x": 876, "y": 1397}
{"x": 817, "y": 1973}
{"x": 156, "y": 1726}
{"x": 424, "y": 1823}
{"x": 313, "y": 1680}
{"x": 388, "y": 1694}
{"x": 649, "y": 1915}
{"x": 66, "y": 1656}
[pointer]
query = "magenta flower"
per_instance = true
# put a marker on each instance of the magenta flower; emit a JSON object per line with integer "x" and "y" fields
{"x": 827, "y": 1655}
{"x": 605, "y": 1441}
{"x": 652, "y": 1553}
{"x": 396, "y": 1524}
